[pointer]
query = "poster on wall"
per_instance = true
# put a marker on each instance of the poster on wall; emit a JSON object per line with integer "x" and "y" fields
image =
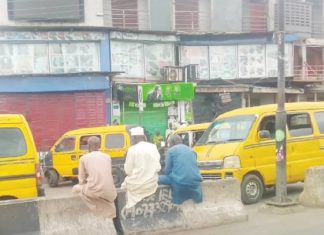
{"x": 156, "y": 57}
{"x": 251, "y": 61}
{"x": 74, "y": 57}
{"x": 272, "y": 60}
{"x": 196, "y": 55}
{"x": 223, "y": 62}
{"x": 128, "y": 58}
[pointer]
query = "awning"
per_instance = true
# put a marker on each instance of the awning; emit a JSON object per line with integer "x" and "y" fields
{"x": 243, "y": 89}
{"x": 57, "y": 83}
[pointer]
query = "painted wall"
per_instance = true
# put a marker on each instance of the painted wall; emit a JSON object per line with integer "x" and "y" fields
{"x": 161, "y": 15}
{"x": 204, "y": 15}
{"x": 92, "y": 8}
{"x": 227, "y": 16}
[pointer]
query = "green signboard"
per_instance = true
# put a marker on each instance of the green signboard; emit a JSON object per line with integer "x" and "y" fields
{"x": 153, "y": 93}
{"x": 167, "y": 92}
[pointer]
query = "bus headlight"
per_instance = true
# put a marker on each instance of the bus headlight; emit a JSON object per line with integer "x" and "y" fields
{"x": 232, "y": 162}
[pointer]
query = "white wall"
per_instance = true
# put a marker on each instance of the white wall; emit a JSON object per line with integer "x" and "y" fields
{"x": 204, "y": 15}
{"x": 92, "y": 8}
{"x": 143, "y": 19}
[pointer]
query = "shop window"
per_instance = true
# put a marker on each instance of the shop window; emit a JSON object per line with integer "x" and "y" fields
{"x": 84, "y": 141}
{"x": 320, "y": 121}
{"x": 299, "y": 124}
{"x": 66, "y": 145}
{"x": 115, "y": 141}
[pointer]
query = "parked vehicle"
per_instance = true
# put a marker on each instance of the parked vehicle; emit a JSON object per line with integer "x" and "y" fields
{"x": 191, "y": 134}
{"x": 62, "y": 160}
{"x": 20, "y": 175}
{"x": 241, "y": 144}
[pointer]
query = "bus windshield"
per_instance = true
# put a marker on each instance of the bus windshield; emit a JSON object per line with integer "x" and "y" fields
{"x": 227, "y": 130}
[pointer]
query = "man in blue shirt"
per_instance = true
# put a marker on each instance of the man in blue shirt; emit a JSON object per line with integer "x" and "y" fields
{"x": 181, "y": 172}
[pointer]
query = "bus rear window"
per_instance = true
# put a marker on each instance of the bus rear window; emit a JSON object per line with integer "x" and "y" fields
{"x": 12, "y": 142}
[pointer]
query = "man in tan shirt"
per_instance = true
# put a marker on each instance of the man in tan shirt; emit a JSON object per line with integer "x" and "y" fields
{"x": 96, "y": 185}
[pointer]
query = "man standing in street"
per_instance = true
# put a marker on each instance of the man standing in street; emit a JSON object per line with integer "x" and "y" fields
{"x": 96, "y": 185}
{"x": 142, "y": 165}
{"x": 182, "y": 172}
{"x": 157, "y": 139}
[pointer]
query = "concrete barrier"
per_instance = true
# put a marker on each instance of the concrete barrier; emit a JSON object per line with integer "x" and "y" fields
{"x": 68, "y": 216}
{"x": 19, "y": 217}
{"x": 313, "y": 193}
{"x": 156, "y": 214}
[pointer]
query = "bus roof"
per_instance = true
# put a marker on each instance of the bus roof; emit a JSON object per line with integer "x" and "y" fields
{"x": 193, "y": 127}
{"x": 11, "y": 118}
{"x": 272, "y": 108}
{"x": 99, "y": 129}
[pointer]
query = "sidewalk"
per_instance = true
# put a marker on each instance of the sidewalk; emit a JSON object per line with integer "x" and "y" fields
{"x": 304, "y": 222}
{"x": 309, "y": 221}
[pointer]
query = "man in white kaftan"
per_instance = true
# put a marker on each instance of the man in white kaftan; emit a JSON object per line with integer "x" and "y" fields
{"x": 142, "y": 165}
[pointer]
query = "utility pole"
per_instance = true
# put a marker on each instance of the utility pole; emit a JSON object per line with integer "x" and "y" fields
{"x": 281, "y": 117}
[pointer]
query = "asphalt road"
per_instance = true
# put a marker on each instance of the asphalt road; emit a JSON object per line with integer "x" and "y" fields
{"x": 298, "y": 221}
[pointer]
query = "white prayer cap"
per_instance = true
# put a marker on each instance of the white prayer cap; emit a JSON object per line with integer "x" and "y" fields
{"x": 137, "y": 131}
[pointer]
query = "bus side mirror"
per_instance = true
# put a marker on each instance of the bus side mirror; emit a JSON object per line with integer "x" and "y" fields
{"x": 264, "y": 134}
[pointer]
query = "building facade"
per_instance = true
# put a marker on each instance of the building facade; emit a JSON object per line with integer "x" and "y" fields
{"x": 227, "y": 48}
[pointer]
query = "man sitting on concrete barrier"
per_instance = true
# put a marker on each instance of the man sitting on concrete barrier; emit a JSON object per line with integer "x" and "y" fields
{"x": 96, "y": 185}
{"x": 182, "y": 172}
{"x": 142, "y": 165}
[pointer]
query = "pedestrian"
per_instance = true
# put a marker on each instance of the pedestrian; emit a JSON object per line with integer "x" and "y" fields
{"x": 169, "y": 131}
{"x": 96, "y": 185}
{"x": 157, "y": 139}
{"x": 142, "y": 165}
{"x": 181, "y": 172}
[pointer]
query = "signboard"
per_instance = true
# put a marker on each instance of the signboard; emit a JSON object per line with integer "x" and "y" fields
{"x": 168, "y": 92}
{"x": 251, "y": 61}
{"x": 196, "y": 55}
{"x": 127, "y": 57}
{"x": 156, "y": 57}
{"x": 153, "y": 93}
{"x": 223, "y": 62}
{"x": 272, "y": 60}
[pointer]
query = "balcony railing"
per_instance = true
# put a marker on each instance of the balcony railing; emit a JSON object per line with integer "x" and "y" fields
{"x": 309, "y": 73}
{"x": 192, "y": 21}
{"x": 128, "y": 19}
{"x": 254, "y": 24}
{"x": 185, "y": 21}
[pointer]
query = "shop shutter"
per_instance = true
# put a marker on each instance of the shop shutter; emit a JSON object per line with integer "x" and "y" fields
{"x": 151, "y": 120}
{"x": 52, "y": 114}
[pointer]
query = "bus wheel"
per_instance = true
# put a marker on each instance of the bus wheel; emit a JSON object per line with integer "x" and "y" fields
{"x": 251, "y": 189}
{"x": 52, "y": 178}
